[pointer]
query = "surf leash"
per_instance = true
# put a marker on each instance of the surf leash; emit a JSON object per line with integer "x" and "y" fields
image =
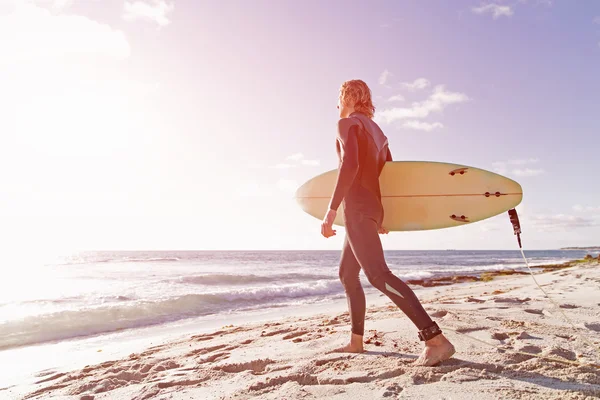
{"x": 514, "y": 219}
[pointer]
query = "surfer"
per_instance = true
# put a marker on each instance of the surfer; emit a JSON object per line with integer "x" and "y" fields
{"x": 363, "y": 150}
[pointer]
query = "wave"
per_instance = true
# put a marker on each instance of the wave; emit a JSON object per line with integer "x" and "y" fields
{"x": 117, "y": 260}
{"x": 476, "y": 269}
{"x": 229, "y": 279}
{"x": 415, "y": 275}
{"x": 154, "y": 259}
{"x": 75, "y": 299}
{"x": 104, "y": 319}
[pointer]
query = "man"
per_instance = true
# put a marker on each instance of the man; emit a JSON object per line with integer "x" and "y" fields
{"x": 363, "y": 150}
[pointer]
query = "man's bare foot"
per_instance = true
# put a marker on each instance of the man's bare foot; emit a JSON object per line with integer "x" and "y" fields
{"x": 349, "y": 349}
{"x": 355, "y": 345}
{"x": 436, "y": 350}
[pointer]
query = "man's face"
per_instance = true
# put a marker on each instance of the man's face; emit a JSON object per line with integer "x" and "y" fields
{"x": 342, "y": 108}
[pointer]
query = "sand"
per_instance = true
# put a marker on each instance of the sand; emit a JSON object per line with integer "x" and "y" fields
{"x": 500, "y": 329}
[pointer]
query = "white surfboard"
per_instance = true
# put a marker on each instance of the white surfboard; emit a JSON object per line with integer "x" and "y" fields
{"x": 421, "y": 195}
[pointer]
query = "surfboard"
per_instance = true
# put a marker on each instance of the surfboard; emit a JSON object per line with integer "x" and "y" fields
{"x": 423, "y": 195}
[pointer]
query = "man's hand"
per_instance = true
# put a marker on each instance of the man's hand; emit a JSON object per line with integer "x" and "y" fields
{"x": 326, "y": 225}
{"x": 382, "y": 230}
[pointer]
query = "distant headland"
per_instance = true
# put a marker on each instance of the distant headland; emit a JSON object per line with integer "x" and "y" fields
{"x": 593, "y": 248}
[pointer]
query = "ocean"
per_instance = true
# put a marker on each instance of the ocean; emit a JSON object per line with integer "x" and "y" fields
{"x": 99, "y": 293}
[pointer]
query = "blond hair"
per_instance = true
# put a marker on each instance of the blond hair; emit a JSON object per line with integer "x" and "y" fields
{"x": 357, "y": 92}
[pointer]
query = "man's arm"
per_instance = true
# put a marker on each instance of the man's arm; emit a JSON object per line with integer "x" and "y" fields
{"x": 347, "y": 139}
{"x": 389, "y": 155}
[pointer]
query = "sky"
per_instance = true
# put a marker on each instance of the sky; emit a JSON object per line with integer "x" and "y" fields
{"x": 188, "y": 125}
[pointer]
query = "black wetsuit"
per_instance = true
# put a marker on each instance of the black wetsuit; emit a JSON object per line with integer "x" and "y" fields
{"x": 362, "y": 150}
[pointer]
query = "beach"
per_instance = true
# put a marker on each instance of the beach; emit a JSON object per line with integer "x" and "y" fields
{"x": 511, "y": 342}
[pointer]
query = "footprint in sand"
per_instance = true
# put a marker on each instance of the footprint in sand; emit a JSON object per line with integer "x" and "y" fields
{"x": 516, "y": 358}
{"x": 53, "y": 377}
{"x": 104, "y": 377}
{"x": 534, "y": 311}
{"x": 560, "y": 352}
{"x": 511, "y": 300}
{"x": 214, "y": 358}
{"x": 206, "y": 350}
{"x": 592, "y": 326}
{"x": 276, "y": 332}
{"x": 184, "y": 382}
{"x": 475, "y": 300}
{"x": 471, "y": 329}
{"x": 525, "y": 335}
{"x": 531, "y": 349}
{"x": 420, "y": 378}
{"x": 319, "y": 363}
{"x": 256, "y": 367}
{"x": 568, "y": 306}
{"x": 392, "y": 390}
{"x": 295, "y": 334}
{"x": 439, "y": 314}
{"x": 500, "y": 336}
{"x": 201, "y": 338}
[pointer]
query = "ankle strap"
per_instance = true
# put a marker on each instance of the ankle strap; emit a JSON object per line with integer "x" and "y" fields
{"x": 430, "y": 332}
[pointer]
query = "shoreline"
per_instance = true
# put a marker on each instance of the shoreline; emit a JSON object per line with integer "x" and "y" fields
{"x": 490, "y": 275}
{"x": 444, "y": 280}
{"x": 287, "y": 356}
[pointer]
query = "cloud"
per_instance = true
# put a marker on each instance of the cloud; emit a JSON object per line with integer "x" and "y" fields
{"x": 384, "y": 76}
{"x": 523, "y": 161}
{"x": 561, "y": 222}
{"x": 437, "y": 101}
{"x": 56, "y": 4}
{"x": 589, "y": 209}
{"x": 397, "y": 97}
{"x": 30, "y": 32}
{"x": 596, "y": 20}
{"x": 504, "y": 167}
{"x": 295, "y": 157}
{"x": 417, "y": 84}
{"x": 154, "y": 10}
{"x": 527, "y": 172}
{"x": 496, "y": 10}
{"x": 422, "y": 126}
{"x": 61, "y": 3}
{"x": 547, "y": 3}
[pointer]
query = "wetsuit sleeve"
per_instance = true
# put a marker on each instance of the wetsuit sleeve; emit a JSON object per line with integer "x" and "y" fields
{"x": 389, "y": 155}
{"x": 347, "y": 140}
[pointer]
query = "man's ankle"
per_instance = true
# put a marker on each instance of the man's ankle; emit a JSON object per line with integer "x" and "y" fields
{"x": 436, "y": 340}
{"x": 356, "y": 339}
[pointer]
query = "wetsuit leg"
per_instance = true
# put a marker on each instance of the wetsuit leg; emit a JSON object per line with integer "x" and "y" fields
{"x": 349, "y": 276}
{"x": 361, "y": 232}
